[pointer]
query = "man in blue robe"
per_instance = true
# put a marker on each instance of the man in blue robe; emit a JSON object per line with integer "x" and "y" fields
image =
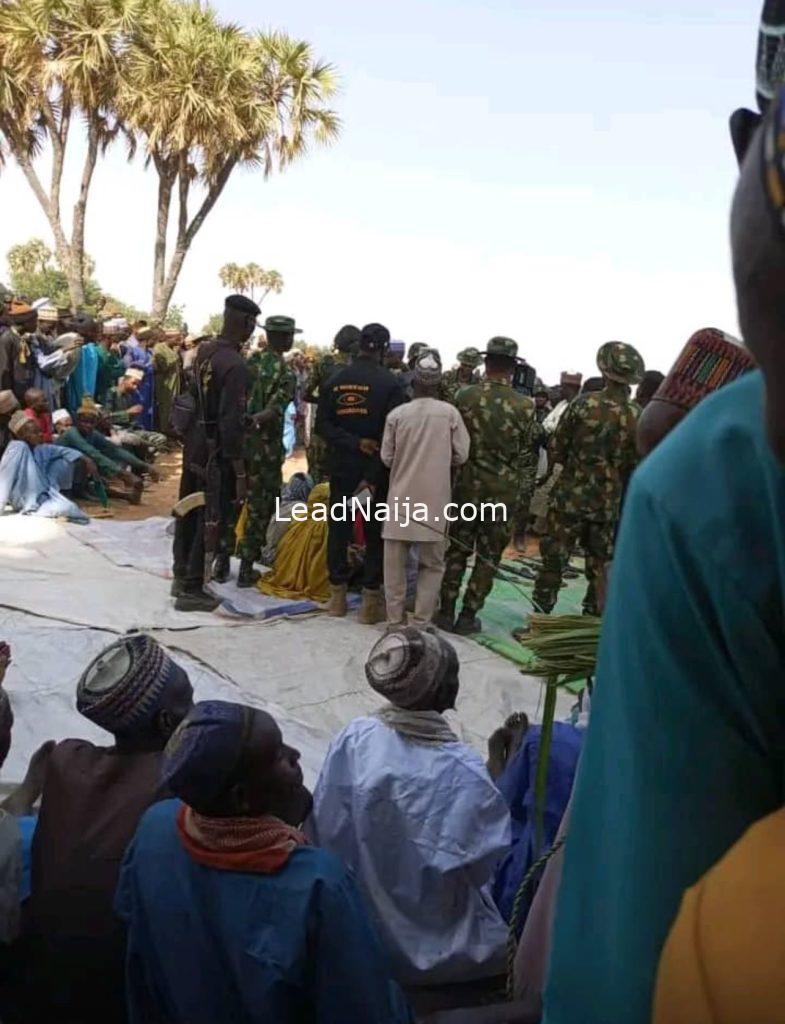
{"x": 137, "y": 356}
{"x": 231, "y": 915}
{"x": 33, "y": 474}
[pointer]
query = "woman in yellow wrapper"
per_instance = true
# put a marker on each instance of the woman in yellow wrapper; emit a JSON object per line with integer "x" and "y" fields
{"x": 300, "y": 569}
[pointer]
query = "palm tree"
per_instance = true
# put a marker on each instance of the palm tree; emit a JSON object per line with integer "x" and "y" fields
{"x": 207, "y": 97}
{"x": 60, "y": 60}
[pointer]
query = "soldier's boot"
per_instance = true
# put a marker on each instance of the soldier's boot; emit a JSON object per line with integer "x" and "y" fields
{"x": 467, "y": 623}
{"x": 445, "y": 617}
{"x": 222, "y": 567}
{"x": 248, "y": 576}
{"x": 336, "y": 606}
{"x": 372, "y": 609}
{"x": 195, "y": 600}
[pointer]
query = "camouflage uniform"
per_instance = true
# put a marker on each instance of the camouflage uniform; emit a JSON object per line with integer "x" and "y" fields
{"x": 451, "y": 383}
{"x": 272, "y": 387}
{"x": 529, "y": 462}
{"x": 316, "y": 452}
{"x": 500, "y": 422}
{"x": 595, "y": 445}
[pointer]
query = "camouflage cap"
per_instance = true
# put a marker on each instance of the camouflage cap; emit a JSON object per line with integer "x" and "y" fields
{"x": 470, "y": 357}
{"x": 499, "y": 346}
{"x": 620, "y": 362}
{"x": 281, "y": 325}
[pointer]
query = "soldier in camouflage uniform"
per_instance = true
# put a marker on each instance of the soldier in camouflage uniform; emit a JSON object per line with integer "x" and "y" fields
{"x": 272, "y": 389}
{"x": 465, "y": 374}
{"x": 500, "y": 422}
{"x": 529, "y": 462}
{"x": 346, "y": 346}
{"x": 595, "y": 445}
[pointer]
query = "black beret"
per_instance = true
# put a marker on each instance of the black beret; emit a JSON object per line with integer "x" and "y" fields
{"x": 374, "y": 338}
{"x": 242, "y": 304}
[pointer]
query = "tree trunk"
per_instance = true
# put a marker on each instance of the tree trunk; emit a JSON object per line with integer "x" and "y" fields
{"x": 165, "y": 184}
{"x": 186, "y": 235}
{"x": 78, "y": 228}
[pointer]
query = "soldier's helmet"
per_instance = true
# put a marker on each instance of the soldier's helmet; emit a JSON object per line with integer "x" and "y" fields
{"x": 470, "y": 357}
{"x": 620, "y": 362}
{"x": 502, "y": 347}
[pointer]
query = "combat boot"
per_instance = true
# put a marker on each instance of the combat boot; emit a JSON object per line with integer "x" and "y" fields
{"x": 372, "y": 609}
{"x": 248, "y": 576}
{"x": 467, "y": 624}
{"x": 336, "y": 606}
{"x": 196, "y": 601}
{"x": 222, "y": 567}
{"x": 445, "y": 618}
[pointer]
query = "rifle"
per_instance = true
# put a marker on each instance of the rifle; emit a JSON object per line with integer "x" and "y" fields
{"x": 212, "y": 479}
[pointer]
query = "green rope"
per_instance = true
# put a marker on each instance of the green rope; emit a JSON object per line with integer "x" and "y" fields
{"x": 526, "y": 885}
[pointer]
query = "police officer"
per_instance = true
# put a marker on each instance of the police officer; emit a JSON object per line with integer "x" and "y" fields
{"x": 352, "y": 411}
{"x": 500, "y": 422}
{"x": 272, "y": 389}
{"x": 215, "y": 438}
{"x": 345, "y": 346}
{"x": 595, "y": 446}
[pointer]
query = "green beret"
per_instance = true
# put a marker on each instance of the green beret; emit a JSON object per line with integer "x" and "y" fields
{"x": 242, "y": 304}
{"x": 620, "y": 362}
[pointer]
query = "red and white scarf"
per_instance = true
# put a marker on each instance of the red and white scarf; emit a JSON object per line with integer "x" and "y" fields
{"x": 257, "y": 845}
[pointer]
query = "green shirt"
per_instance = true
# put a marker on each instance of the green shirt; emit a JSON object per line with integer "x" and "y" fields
{"x": 108, "y": 457}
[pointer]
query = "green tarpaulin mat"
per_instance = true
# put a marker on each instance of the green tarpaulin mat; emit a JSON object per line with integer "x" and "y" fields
{"x": 509, "y": 606}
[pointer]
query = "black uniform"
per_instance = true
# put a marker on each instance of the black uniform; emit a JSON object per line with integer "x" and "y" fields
{"x": 225, "y": 380}
{"x": 354, "y": 404}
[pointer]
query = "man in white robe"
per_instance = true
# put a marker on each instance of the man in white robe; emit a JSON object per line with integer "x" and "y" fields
{"x": 422, "y": 441}
{"x": 414, "y": 814}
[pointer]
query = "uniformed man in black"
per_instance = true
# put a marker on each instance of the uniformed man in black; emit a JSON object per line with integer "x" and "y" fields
{"x": 353, "y": 409}
{"x": 220, "y": 390}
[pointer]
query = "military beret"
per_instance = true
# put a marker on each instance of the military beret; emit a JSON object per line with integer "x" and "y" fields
{"x": 499, "y": 346}
{"x": 242, "y": 304}
{"x": 281, "y": 325}
{"x": 374, "y": 338}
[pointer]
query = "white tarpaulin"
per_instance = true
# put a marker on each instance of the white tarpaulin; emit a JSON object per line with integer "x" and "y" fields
{"x": 67, "y": 592}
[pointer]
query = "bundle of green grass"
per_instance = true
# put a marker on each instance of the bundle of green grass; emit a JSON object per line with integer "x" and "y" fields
{"x": 564, "y": 646}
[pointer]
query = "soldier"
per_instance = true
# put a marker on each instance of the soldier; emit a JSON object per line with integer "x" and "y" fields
{"x": 272, "y": 389}
{"x": 530, "y": 460}
{"x": 345, "y": 348}
{"x": 213, "y": 457}
{"x": 500, "y": 422}
{"x": 595, "y": 446}
{"x": 465, "y": 373}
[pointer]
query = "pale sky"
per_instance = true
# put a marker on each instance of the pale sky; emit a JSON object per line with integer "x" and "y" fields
{"x": 559, "y": 173}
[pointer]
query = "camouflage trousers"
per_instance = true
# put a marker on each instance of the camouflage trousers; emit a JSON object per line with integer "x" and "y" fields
{"x": 317, "y": 458}
{"x": 263, "y": 465}
{"x": 563, "y": 534}
{"x": 487, "y": 540}
{"x": 521, "y": 518}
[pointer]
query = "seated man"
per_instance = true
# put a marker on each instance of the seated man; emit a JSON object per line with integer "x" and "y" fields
{"x": 413, "y": 812}
{"x": 92, "y": 801}
{"x": 33, "y": 475}
{"x": 9, "y": 404}
{"x": 231, "y": 915}
{"x": 124, "y": 409}
{"x": 37, "y": 408}
{"x": 115, "y": 464}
